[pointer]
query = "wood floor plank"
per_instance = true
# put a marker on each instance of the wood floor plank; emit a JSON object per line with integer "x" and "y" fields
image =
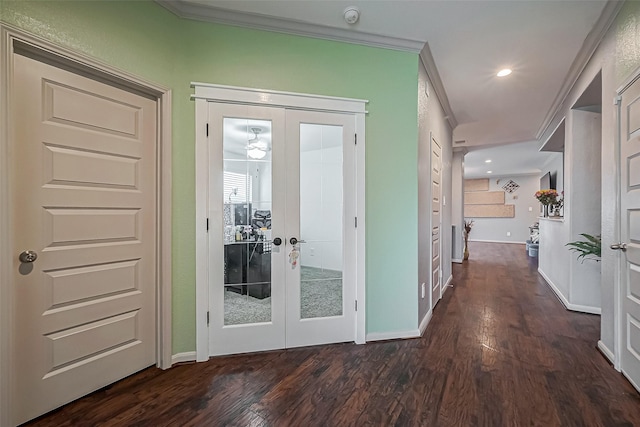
{"x": 500, "y": 350}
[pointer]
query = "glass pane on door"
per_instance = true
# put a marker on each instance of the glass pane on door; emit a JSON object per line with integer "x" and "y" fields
{"x": 247, "y": 194}
{"x": 321, "y": 221}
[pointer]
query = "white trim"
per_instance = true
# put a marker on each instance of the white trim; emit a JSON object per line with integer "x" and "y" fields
{"x": 395, "y": 335}
{"x": 361, "y": 247}
{"x": 572, "y": 307}
{"x": 202, "y": 241}
{"x": 275, "y": 98}
{"x": 434, "y": 76}
{"x": 630, "y": 380}
{"x": 447, "y": 284}
{"x": 589, "y": 46}
{"x": 456, "y": 260}
{"x": 9, "y": 36}
{"x": 205, "y": 93}
{"x": 425, "y": 322}
{"x": 187, "y": 356}
{"x": 496, "y": 241}
{"x": 203, "y": 12}
{"x": 606, "y": 352}
{"x": 164, "y": 254}
{"x": 6, "y": 297}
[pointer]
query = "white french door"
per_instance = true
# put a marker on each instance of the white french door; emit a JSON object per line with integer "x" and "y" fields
{"x": 320, "y": 188}
{"x": 281, "y": 240}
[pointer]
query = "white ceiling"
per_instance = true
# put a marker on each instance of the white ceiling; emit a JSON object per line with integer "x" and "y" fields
{"x": 522, "y": 158}
{"x": 545, "y": 42}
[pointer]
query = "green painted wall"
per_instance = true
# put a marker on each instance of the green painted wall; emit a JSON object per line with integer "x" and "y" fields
{"x": 142, "y": 38}
{"x": 627, "y": 55}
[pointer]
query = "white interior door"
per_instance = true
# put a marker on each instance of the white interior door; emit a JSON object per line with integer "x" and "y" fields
{"x": 268, "y": 186}
{"x": 436, "y": 190}
{"x": 630, "y": 232}
{"x": 321, "y": 201}
{"x": 247, "y": 228}
{"x": 83, "y": 200}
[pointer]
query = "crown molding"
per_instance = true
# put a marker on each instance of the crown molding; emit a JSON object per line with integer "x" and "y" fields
{"x": 589, "y": 46}
{"x": 201, "y": 12}
{"x": 432, "y": 71}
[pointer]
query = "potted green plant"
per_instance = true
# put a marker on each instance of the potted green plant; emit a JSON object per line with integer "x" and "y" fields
{"x": 587, "y": 249}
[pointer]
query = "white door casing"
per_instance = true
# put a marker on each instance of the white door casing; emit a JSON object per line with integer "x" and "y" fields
{"x": 93, "y": 255}
{"x": 436, "y": 218}
{"x": 630, "y": 233}
{"x": 207, "y": 93}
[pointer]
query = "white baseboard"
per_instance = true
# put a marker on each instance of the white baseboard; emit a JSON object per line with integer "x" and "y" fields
{"x": 606, "y": 352}
{"x": 573, "y": 307}
{"x": 189, "y": 356}
{"x": 633, "y": 383}
{"x": 447, "y": 284}
{"x": 456, "y": 260}
{"x": 496, "y": 241}
{"x": 395, "y": 335}
{"x": 425, "y": 322}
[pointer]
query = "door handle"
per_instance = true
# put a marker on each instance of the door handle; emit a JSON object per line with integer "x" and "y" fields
{"x": 295, "y": 241}
{"x": 619, "y": 247}
{"x": 28, "y": 256}
{"x": 277, "y": 241}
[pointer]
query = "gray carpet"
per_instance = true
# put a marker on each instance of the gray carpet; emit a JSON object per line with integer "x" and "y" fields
{"x": 320, "y": 294}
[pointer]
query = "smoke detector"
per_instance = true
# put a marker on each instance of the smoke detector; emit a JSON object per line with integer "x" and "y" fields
{"x": 351, "y": 15}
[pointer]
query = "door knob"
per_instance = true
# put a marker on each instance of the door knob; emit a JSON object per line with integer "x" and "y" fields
{"x": 28, "y": 256}
{"x": 619, "y": 246}
{"x": 277, "y": 241}
{"x": 295, "y": 241}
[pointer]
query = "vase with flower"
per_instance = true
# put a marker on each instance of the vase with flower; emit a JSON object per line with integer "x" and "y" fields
{"x": 468, "y": 223}
{"x": 546, "y": 197}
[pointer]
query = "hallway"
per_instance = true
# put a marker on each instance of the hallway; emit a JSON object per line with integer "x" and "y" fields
{"x": 501, "y": 350}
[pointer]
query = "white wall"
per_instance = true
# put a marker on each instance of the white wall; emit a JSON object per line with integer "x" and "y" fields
{"x": 457, "y": 204}
{"x": 431, "y": 119}
{"x": 554, "y": 258}
{"x": 605, "y": 59}
{"x": 321, "y": 219}
{"x": 576, "y": 283}
{"x": 496, "y": 229}
{"x": 555, "y": 164}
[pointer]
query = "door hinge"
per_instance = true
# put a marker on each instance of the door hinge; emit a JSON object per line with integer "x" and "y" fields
{"x": 207, "y": 318}
{"x": 356, "y": 305}
{"x": 355, "y": 139}
{"x": 207, "y": 224}
{"x": 617, "y": 99}
{"x": 356, "y": 222}
{"x": 207, "y": 129}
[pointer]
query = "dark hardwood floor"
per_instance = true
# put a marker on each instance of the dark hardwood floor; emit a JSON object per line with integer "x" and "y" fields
{"x": 500, "y": 350}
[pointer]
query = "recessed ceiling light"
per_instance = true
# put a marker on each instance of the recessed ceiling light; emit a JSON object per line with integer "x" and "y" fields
{"x": 488, "y": 161}
{"x": 504, "y": 72}
{"x": 489, "y": 171}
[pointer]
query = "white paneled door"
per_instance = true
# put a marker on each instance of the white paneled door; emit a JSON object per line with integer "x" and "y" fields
{"x": 436, "y": 190}
{"x": 83, "y": 212}
{"x": 281, "y": 241}
{"x": 630, "y": 232}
